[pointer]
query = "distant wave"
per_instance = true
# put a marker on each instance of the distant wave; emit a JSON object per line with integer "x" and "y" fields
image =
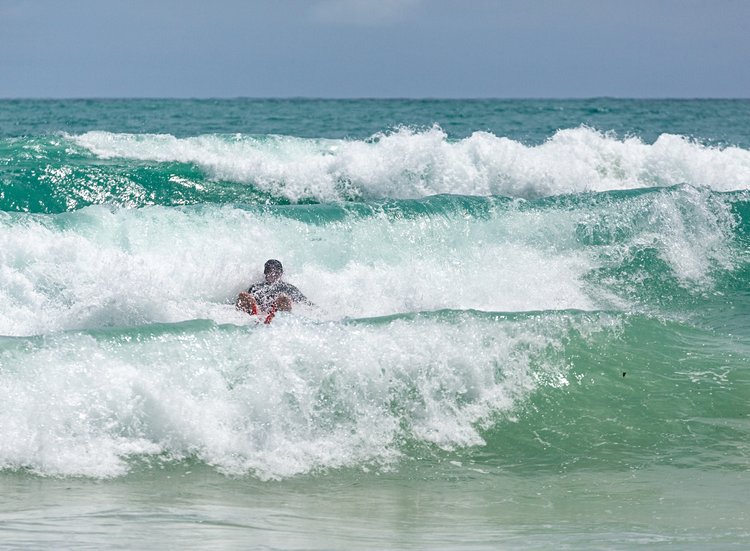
{"x": 411, "y": 164}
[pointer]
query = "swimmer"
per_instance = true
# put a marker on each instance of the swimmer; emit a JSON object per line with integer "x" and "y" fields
{"x": 264, "y": 296}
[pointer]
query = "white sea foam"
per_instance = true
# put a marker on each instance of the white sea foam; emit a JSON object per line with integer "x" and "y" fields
{"x": 412, "y": 164}
{"x": 100, "y": 267}
{"x": 273, "y": 401}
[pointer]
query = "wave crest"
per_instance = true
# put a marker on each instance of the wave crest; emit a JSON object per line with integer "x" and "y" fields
{"x": 407, "y": 163}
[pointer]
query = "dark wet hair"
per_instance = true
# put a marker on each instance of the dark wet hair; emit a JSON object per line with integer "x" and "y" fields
{"x": 273, "y": 266}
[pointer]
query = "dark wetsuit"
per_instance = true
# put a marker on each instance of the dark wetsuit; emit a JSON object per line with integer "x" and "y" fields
{"x": 265, "y": 294}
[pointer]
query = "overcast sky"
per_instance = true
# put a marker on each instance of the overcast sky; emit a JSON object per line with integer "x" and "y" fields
{"x": 374, "y": 48}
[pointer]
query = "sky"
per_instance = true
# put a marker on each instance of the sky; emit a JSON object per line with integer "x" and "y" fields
{"x": 374, "y": 48}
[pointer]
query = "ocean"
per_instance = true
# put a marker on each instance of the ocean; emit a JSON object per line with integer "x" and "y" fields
{"x": 529, "y": 330}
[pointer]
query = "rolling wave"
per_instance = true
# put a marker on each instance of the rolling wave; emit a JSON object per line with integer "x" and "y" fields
{"x": 542, "y": 390}
{"x": 668, "y": 250}
{"x": 56, "y": 174}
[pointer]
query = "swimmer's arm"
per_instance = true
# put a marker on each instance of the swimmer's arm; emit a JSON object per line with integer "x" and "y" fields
{"x": 304, "y": 300}
{"x": 246, "y": 302}
{"x": 297, "y": 296}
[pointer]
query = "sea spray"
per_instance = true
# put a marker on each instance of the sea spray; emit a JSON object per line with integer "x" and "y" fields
{"x": 103, "y": 266}
{"x": 409, "y": 164}
{"x": 273, "y": 400}
{"x": 132, "y": 170}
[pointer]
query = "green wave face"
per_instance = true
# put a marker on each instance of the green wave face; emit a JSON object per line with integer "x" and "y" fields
{"x": 657, "y": 393}
{"x": 525, "y": 392}
{"x": 51, "y": 175}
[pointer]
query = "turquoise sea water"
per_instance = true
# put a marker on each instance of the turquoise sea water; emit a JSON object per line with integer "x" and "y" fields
{"x": 530, "y": 326}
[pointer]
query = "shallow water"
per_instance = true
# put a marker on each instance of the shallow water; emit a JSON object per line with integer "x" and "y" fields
{"x": 194, "y": 507}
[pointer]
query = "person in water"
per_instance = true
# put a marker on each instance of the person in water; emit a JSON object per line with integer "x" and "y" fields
{"x": 271, "y": 294}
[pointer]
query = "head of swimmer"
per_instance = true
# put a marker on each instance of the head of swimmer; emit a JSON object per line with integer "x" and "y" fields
{"x": 272, "y": 271}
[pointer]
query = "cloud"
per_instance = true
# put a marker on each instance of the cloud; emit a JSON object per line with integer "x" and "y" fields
{"x": 364, "y": 12}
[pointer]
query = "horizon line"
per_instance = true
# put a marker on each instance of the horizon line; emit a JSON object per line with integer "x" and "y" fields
{"x": 374, "y": 98}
